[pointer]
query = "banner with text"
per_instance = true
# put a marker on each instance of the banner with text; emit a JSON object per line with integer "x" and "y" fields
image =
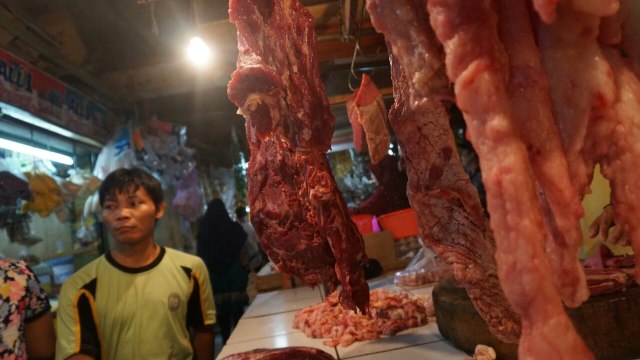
{"x": 31, "y": 89}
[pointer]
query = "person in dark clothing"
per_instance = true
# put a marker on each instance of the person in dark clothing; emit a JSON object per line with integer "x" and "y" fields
{"x": 220, "y": 243}
{"x": 256, "y": 256}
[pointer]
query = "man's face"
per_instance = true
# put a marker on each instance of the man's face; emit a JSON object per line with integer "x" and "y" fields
{"x": 130, "y": 216}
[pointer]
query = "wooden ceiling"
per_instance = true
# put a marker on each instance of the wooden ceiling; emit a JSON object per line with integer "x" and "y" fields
{"x": 129, "y": 54}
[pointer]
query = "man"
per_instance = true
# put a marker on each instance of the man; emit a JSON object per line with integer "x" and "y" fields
{"x": 139, "y": 300}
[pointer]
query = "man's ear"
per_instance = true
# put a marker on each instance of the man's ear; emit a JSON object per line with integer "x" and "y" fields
{"x": 160, "y": 210}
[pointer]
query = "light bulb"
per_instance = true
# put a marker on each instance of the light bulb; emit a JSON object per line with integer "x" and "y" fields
{"x": 198, "y": 51}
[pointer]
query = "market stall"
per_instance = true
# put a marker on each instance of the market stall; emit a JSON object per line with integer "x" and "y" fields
{"x": 396, "y": 139}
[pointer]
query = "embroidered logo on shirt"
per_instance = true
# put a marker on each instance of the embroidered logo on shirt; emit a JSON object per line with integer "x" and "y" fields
{"x": 174, "y": 301}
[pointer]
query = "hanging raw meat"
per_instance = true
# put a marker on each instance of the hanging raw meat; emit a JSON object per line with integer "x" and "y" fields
{"x": 479, "y": 69}
{"x": 528, "y": 93}
{"x": 570, "y": 49}
{"x": 297, "y": 209}
{"x": 450, "y": 215}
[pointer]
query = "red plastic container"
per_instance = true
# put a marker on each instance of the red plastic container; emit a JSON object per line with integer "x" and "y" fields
{"x": 363, "y": 222}
{"x": 401, "y": 223}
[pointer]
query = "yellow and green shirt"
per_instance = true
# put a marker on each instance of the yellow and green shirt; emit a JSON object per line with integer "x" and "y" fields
{"x": 109, "y": 311}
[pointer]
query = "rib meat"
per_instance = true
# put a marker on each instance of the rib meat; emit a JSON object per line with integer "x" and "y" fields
{"x": 528, "y": 93}
{"x": 450, "y": 215}
{"x": 516, "y": 218}
{"x": 297, "y": 209}
{"x": 581, "y": 84}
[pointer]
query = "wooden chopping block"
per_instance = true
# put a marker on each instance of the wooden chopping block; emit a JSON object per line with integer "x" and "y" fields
{"x": 609, "y": 324}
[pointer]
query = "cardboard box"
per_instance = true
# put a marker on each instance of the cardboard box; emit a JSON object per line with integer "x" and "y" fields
{"x": 273, "y": 281}
{"x": 380, "y": 246}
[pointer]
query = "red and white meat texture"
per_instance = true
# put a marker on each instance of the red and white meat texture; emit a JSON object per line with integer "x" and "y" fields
{"x": 422, "y": 57}
{"x": 297, "y": 209}
{"x": 528, "y": 92}
{"x": 450, "y": 218}
{"x": 621, "y": 126}
{"x": 367, "y": 108}
{"x": 546, "y": 9}
{"x": 391, "y": 312}
{"x": 607, "y": 281}
{"x": 580, "y": 83}
{"x": 450, "y": 215}
{"x": 475, "y": 62}
{"x": 287, "y": 353}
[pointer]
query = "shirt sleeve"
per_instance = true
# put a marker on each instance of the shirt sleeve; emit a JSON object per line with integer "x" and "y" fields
{"x": 76, "y": 328}
{"x": 201, "y": 309}
{"x": 38, "y": 301}
{"x": 66, "y": 336}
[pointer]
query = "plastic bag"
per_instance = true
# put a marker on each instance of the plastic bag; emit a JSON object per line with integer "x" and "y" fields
{"x": 188, "y": 200}
{"x": 117, "y": 153}
{"x": 424, "y": 268}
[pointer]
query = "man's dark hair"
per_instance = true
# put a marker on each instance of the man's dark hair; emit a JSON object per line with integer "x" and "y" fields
{"x": 124, "y": 180}
{"x": 241, "y": 213}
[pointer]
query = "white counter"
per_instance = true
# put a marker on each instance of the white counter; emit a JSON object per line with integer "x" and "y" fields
{"x": 267, "y": 323}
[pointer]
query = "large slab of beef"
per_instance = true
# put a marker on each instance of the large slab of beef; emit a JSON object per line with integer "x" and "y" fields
{"x": 297, "y": 209}
{"x": 450, "y": 215}
{"x": 476, "y": 62}
{"x": 287, "y": 353}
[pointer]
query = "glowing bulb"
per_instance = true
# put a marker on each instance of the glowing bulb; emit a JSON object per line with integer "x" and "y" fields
{"x": 198, "y": 51}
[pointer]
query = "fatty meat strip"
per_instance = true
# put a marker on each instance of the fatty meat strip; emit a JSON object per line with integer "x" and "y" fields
{"x": 415, "y": 46}
{"x": 528, "y": 93}
{"x": 297, "y": 209}
{"x": 620, "y": 165}
{"x": 580, "y": 83}
{"x": 450, "y": 215}
{"x": 474, "y": 59}
{"x": 546, "y": 9}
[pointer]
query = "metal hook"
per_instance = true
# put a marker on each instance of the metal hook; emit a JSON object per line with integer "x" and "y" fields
{"x": 352, "y": 73}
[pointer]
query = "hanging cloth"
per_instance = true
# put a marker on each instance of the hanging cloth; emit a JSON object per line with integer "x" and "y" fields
{"x": 368, "y": 114}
